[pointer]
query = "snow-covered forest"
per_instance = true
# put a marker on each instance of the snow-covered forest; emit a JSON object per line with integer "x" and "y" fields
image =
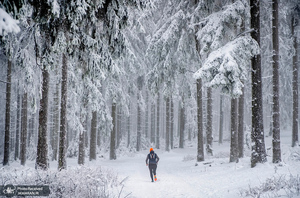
{"x": 89, "y": 86}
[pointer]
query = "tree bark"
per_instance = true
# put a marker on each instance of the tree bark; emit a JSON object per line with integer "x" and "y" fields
{"x": 112, "y": 155}
{"x": 17, "y": 145}
{"x": 257, "y": 134}
{"x": 234, "y": 132}
{"x": 295, "y": 86}
{"x": 93, "y": 137}
{"x": 62, "y": 164}
{"x": 81, "y": 148}
{"x": 7, "y": 113}
{"x": 23, "y": 143}
{"x": 42, "y": 147}
{"x": 209, "y": 135}
{"x": 275, "y": 63}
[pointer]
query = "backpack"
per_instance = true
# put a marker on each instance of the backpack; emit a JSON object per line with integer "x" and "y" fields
{"x": 152, "y": 158}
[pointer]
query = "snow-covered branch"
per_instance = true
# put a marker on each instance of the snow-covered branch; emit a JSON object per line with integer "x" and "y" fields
{"x": 7, "y": 23}
{"x": 227, "y": 66}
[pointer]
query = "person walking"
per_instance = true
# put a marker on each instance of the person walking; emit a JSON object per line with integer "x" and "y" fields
{"x": 152, "y": 164}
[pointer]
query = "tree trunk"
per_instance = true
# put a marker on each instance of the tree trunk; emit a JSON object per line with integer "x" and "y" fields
{"x": 152, "y": 123}
{"x": 119, "y": 126}
{"x": 112, "y": 155}
{"x": 221, "y": 120}
{"x": 182, "y": 125}
{"x": 62, "y": 164}
{"x": 23, "y": 143}
{"x": 18, "y": 126}
{"x": 167, "y": 124}
{"x": 86, "y": 131}
{"x": 172, "y": 125}
{"x": 139, "y": 123}
{"x": 147, "y": 115}
{"x": 42, "y": 147}
{"x": 7, "y": 113}
{"x": 157, "y": 123}
{"x": 93, "y": 136}
{"x": 234, "y": 132}
{"x": 275, "y": 62}
{"x": 55, "y": 138}
{"x": 128, "y": 126}
{"x": 241, "y": 125}
{"x": 200, "y": 146}
{"x": 257, "y": 134}
{"x": 295, "y": 86}
{"x": 209, "y": 135}
{"x": 81, "y": 148}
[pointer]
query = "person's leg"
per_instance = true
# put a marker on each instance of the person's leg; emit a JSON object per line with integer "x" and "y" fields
{"x": 151, "y": 169}
{"x": 154, "y": 172}
{"x": 154, "y": 169}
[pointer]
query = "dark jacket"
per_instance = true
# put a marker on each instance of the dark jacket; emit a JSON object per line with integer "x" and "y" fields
{"x": 152, "y": 157}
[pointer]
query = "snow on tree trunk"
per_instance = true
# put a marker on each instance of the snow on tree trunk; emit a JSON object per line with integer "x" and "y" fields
{"x": 93, "y": 137}
{"x": 62, "y": 164}
{"x": 200, "y": 146}
{"x": 7, "y": 113}
{"x": 209, "y": 135}
{"x": 295, "y": 86}
{"x": 275, "y": 63}
{"x": 234, "y": 132}
{"x": 23, "y": 142}
{"x": 42, "y": 146}
{"x": 112, "y": 154}
{"x": 257, "y": 134}
{"x": 167, "y": 148}
{"x": 241, "y": 125}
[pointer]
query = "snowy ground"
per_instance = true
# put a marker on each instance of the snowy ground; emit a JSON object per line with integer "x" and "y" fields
{"x": 178, "y": 175}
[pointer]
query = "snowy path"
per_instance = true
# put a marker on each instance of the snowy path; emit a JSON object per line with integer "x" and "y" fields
{"x": 182, "y": 179}
{"x": 178, "y": 177}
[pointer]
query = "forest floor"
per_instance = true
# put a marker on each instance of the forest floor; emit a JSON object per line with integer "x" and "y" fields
{"x": 180, "y": 176}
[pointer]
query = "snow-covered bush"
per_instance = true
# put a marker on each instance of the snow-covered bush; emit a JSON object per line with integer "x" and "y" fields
{"x": 189, "y": 158}
{"x": 295, "y": 155}
{"x": 75, "y": 182}
{"x": 275, "y": 187}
